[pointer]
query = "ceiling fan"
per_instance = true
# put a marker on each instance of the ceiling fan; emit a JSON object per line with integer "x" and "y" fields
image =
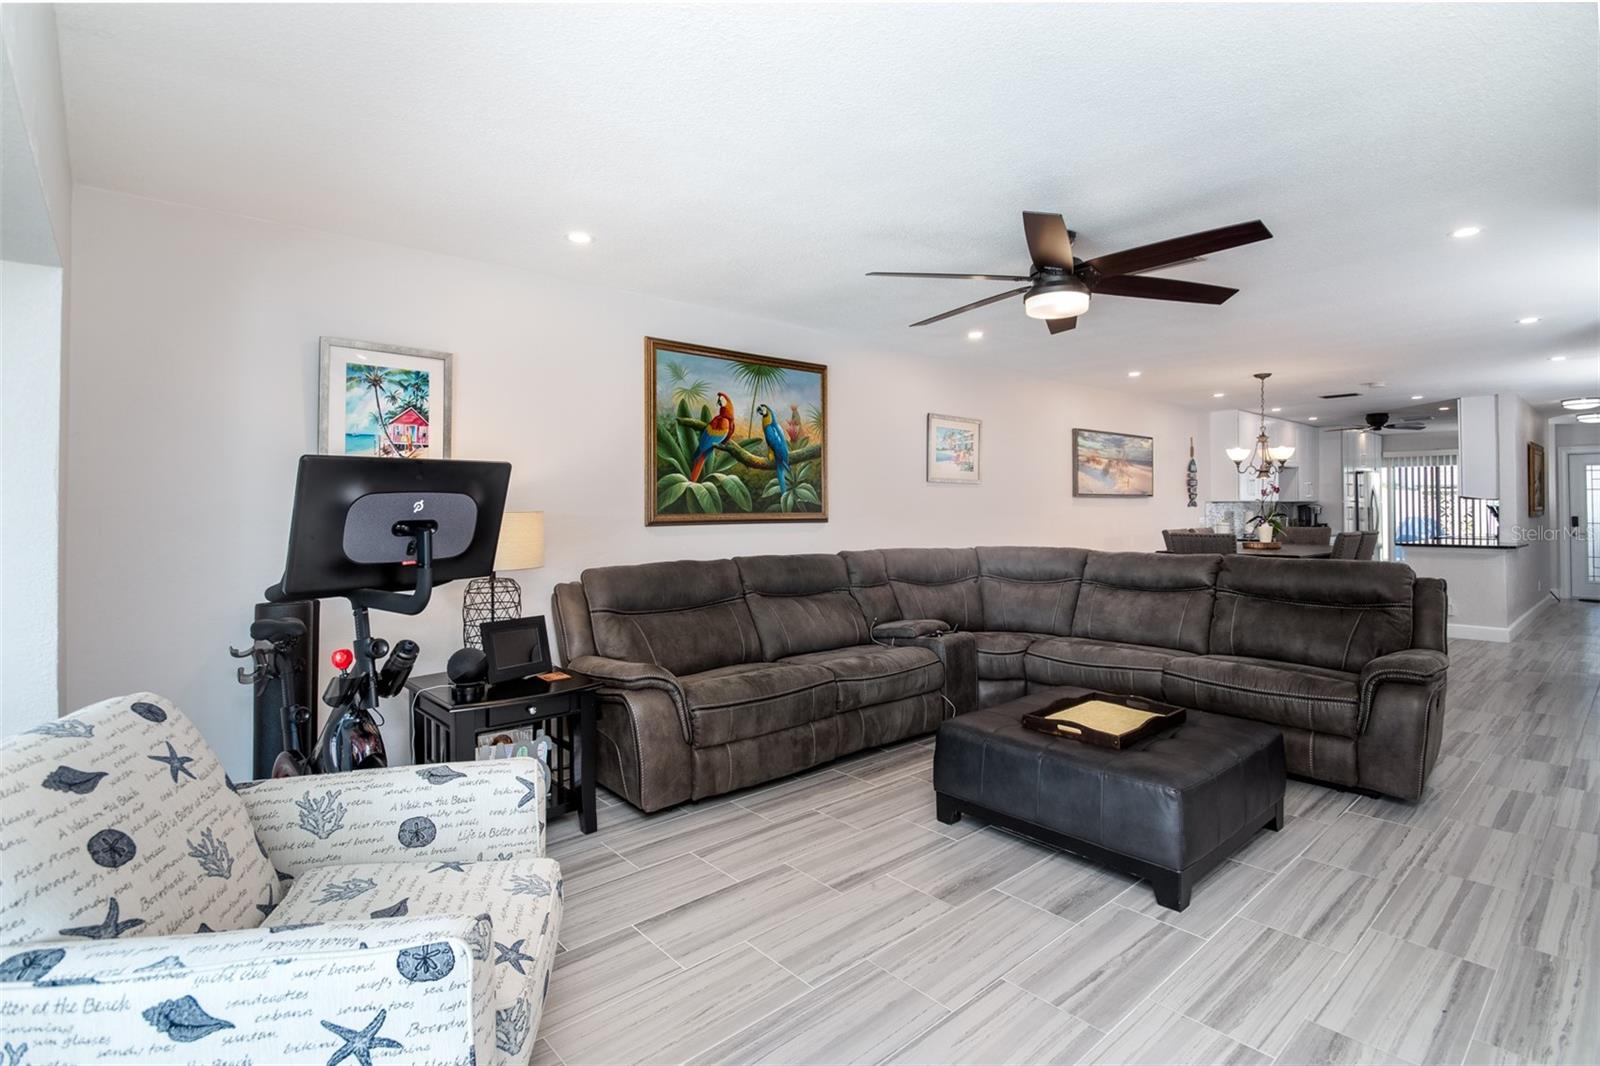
{"x": 1378, "y": 421}
{"x": 1059, "y": 285}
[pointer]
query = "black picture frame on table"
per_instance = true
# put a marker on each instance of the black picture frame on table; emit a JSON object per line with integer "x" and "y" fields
{"x": 496, "y": 636}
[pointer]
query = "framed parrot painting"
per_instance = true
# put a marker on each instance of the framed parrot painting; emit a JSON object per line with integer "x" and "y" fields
{"x": 733, "y": 437}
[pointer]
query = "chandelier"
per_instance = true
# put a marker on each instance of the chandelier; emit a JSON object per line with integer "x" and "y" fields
{"x": 1264, "y": 460}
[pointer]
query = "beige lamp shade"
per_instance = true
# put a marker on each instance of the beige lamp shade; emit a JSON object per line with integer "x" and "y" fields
{"x": 521, "y": 541}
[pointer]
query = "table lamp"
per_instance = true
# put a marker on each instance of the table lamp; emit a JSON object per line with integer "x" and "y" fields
{"x": 493, "y": 598}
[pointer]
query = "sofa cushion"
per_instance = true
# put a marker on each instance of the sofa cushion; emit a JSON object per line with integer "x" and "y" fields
{"x": 1106, "y": 666}
{"x": 1305, "y": 697}
{"x": 869, "y": 674}
{"x": 119, "y": 821}
{"x": 1030, "y": 590}
{"x": 801, "y": 603}
{"x": 517, "y": 903}
{"x": 1315, "y": 611}
{"x": 751, "y": 699}
{"x": 687, "y": 616}
{"x": 1000, "y": 654}
{"x": 1160, "y": 601}
{"x": 900, "y": 583}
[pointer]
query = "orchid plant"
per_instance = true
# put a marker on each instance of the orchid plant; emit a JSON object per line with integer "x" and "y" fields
{"x": 1268, "y": 513}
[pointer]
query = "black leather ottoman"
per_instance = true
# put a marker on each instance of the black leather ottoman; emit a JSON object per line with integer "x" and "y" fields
{"x": 1168, "y": 809}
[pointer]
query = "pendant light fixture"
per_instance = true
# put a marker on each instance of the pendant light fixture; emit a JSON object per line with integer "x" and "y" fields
{"x": 1265, "y": 460}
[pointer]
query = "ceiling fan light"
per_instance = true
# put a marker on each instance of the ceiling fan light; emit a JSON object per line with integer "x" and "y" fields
{"x": 1064, "y": 298}
{"x": 1581, "y": 403}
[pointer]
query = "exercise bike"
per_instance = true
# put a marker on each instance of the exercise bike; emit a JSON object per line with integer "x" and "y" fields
{"x": 380, "y": 533}
{"x": 351, "y": 739}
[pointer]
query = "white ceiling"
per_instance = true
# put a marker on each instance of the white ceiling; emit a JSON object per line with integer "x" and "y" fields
{"x": 762, "y": 159}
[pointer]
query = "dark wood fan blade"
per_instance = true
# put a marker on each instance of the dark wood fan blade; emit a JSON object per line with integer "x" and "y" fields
{"x": 962, "y": 277}
{"x": 1061, "y": 325}
{"x": 1148, "y": 288}
{"x": 996, "y": 298}
{"x": 1165, "y": 253}
{"x": 1049, "y": 243}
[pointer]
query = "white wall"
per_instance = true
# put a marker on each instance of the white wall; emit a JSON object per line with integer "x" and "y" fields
{"x": 35, "y": 231}
{"x": 1531, "y": 571}
{"x": 33, "y": 60}
{"x": 194, "y": 388}
{"x": 30, "y": 381}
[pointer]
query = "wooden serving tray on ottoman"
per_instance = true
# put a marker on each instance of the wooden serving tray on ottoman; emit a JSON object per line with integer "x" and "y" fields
{"x": 1104, "y": 720}
{"x": 1168, "y": 807}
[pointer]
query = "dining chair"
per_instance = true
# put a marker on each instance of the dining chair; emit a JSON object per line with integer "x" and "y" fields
{"x": 1185, "y": 542}
{"x": 1317, "y": 536}
{"x": 1346, "y": 546}
{"x": 1368, "y": 547}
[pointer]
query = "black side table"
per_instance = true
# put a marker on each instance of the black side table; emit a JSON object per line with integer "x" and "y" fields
{"x": 445, "y": 731}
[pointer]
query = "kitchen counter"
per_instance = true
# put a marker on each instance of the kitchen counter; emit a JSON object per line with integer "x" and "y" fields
{"x": 1494, "y": 590}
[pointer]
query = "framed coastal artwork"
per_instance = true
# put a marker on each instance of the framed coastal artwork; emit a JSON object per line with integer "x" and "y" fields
{"x": 1112, "y": 464}
{"x": 383, "y": 399}
{"x": 1536, "y": 480}
{"x": 953, "y": 446}
{"x": 733, "y": 437}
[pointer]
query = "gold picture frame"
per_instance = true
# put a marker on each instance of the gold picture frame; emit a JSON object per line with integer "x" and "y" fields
{"x": 1536, "y": 480}
{"x": 732, "y": 437}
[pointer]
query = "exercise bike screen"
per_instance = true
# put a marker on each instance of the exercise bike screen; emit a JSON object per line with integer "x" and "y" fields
{"x": 369, "y": 536}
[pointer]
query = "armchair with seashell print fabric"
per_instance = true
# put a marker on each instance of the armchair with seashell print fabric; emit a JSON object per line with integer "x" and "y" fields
{"x": 152, "y": 910}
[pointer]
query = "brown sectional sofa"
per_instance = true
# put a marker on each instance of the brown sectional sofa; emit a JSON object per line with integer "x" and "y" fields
{"x": 728, "y": 673}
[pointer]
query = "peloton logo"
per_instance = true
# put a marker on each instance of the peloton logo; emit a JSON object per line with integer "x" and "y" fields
{"x": 417, "y": 507}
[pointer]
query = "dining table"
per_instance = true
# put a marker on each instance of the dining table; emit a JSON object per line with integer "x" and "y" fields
{"x": 1290, "y": 551}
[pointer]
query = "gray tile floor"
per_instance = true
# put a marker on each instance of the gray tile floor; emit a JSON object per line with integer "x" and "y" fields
{"x": 830, "y": 918}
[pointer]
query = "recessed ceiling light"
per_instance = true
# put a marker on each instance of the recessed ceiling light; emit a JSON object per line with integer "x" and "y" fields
{"x": 1218, "y": 395}
{"x": 578, "y": 236}
{"x": 1528, "y": 321}
{"x": 1445, "y": 408}
{"x": 1581, "y": 403}
{"x": 1558, "y": 359}
{"x": 1464, "y": 232}
{"x": 1418, "y": 396}
{"x": 1311, "y": 418}
{"x": 974, "y": 334}
{"x": 1133, "y": 373}
{"x": 1275, "y": 410}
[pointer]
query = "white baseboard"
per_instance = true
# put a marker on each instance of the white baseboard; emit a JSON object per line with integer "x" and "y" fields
{"x": 1497, "y": 634}
{"x": 1462, "y": 631}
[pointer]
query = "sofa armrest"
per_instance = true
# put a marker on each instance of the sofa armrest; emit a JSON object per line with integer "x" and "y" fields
{"x": 455, "y": 812}
{"x": 228, "y": 994}
{"x": 958, "y": 654}
{"x": 910, "y": 627}
{"x": 1402, "y": 721}
{"x": 1414, "y": 666}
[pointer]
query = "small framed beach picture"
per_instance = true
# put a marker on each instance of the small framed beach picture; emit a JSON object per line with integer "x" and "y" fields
{"x": 384, "y": 400}
{"x": 1112, "y": 464}
{"x": 953, "y": 446}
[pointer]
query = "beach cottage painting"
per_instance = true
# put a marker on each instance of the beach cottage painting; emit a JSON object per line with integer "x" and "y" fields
{"x": 953, "y": 446}
{"x": 1112, "y": 464}
{"x": 384, "y": 400}
{"x": 733, "y": 437}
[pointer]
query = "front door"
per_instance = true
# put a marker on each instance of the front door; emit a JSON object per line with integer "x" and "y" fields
{"x": 1583, "y": 522}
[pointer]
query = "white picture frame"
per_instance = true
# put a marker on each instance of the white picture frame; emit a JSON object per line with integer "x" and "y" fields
{"x": 954, "y": 450}
{"x": 407, "y": 415}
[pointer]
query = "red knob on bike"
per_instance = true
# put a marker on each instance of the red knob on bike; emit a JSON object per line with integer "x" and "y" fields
{"x": 342, "y": 659}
